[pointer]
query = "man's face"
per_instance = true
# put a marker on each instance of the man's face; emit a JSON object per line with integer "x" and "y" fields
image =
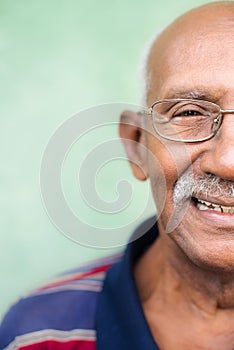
{"x": 198, "y": 60}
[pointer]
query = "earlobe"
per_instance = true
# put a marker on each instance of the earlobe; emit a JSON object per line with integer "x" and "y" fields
{"x": 133, "y": 137}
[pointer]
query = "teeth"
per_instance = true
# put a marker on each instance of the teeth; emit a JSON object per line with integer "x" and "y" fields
{"x": 215, "y": 205}
{"x": 204, "y": 205}
{"x": 201, "y": 206}
{"x": 218, "y": 209}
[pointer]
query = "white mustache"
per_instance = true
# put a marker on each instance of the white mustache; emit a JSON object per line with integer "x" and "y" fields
{"x": 189, "y": 185}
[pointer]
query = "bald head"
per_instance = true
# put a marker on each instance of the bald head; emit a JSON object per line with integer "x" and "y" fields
{"x": 188, "y": 44}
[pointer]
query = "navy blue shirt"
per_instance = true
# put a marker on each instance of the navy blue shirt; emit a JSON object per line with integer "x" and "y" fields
{"x": 120, "y": 320}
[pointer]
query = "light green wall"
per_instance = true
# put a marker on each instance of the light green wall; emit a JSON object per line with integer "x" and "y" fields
{"x": 58, "y": 57}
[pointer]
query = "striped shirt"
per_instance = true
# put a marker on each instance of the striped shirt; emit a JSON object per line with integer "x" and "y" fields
{"x": 59, "y": 315}
{"x": 95, "y": 307}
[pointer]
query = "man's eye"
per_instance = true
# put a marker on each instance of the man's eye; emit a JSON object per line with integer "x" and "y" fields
{"x": 187, "y": 113}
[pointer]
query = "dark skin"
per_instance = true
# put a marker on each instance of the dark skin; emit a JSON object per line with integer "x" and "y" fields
{"x": 186, "y": 279}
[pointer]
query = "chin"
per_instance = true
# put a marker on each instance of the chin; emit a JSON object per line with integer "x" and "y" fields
{"x": 207, "y": 241}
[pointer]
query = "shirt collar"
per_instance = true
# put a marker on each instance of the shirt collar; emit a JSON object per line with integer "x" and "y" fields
{"x": 120, "y": 320}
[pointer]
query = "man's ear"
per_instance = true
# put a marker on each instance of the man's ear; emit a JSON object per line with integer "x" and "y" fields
{"x": 134, "y": 140}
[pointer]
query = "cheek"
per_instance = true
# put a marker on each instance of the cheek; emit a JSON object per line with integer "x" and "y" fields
{"x": 166, "y": 162}
{"x": 163, "y": 174}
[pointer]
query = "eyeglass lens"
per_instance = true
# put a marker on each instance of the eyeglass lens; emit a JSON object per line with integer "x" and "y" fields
{"x": 186, "y": 120}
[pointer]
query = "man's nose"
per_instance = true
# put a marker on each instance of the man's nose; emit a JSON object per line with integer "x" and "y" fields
{"x": 219, "y": 158}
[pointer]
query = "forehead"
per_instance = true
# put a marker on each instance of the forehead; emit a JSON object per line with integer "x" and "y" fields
{"x": 196, "y": 55}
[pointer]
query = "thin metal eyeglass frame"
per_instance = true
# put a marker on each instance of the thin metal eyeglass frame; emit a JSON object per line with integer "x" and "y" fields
{"x": 218, "y": 120}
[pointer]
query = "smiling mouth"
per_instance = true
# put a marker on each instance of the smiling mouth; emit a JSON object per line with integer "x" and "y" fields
{"x": 205, "y": 205}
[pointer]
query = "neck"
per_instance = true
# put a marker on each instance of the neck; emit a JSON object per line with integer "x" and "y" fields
{"x": 164, "y": 273}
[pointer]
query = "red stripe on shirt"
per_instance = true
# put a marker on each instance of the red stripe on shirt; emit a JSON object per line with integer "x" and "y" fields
{"x": 76, "y": 277}
{"x": 58, "y": 345}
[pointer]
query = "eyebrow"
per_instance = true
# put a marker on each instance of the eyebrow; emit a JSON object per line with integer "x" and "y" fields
{"x": 191, "y": 93}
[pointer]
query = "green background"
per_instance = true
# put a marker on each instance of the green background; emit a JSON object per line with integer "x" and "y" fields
{"x": 59, "y": 57}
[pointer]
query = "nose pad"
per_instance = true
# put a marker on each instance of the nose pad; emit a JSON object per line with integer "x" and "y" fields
{"x": 217, "y": 123}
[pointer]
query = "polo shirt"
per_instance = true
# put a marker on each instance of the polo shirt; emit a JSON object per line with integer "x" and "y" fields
{"x": 93, "y": 307}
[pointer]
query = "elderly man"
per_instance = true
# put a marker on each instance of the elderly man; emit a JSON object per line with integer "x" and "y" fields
{"x": 174, "y": 287}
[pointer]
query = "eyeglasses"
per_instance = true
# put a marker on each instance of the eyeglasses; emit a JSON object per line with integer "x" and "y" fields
{"x": 186, "y": 120}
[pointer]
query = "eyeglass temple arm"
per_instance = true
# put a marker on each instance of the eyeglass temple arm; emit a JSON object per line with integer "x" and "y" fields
{"x": 226, "y": 111}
